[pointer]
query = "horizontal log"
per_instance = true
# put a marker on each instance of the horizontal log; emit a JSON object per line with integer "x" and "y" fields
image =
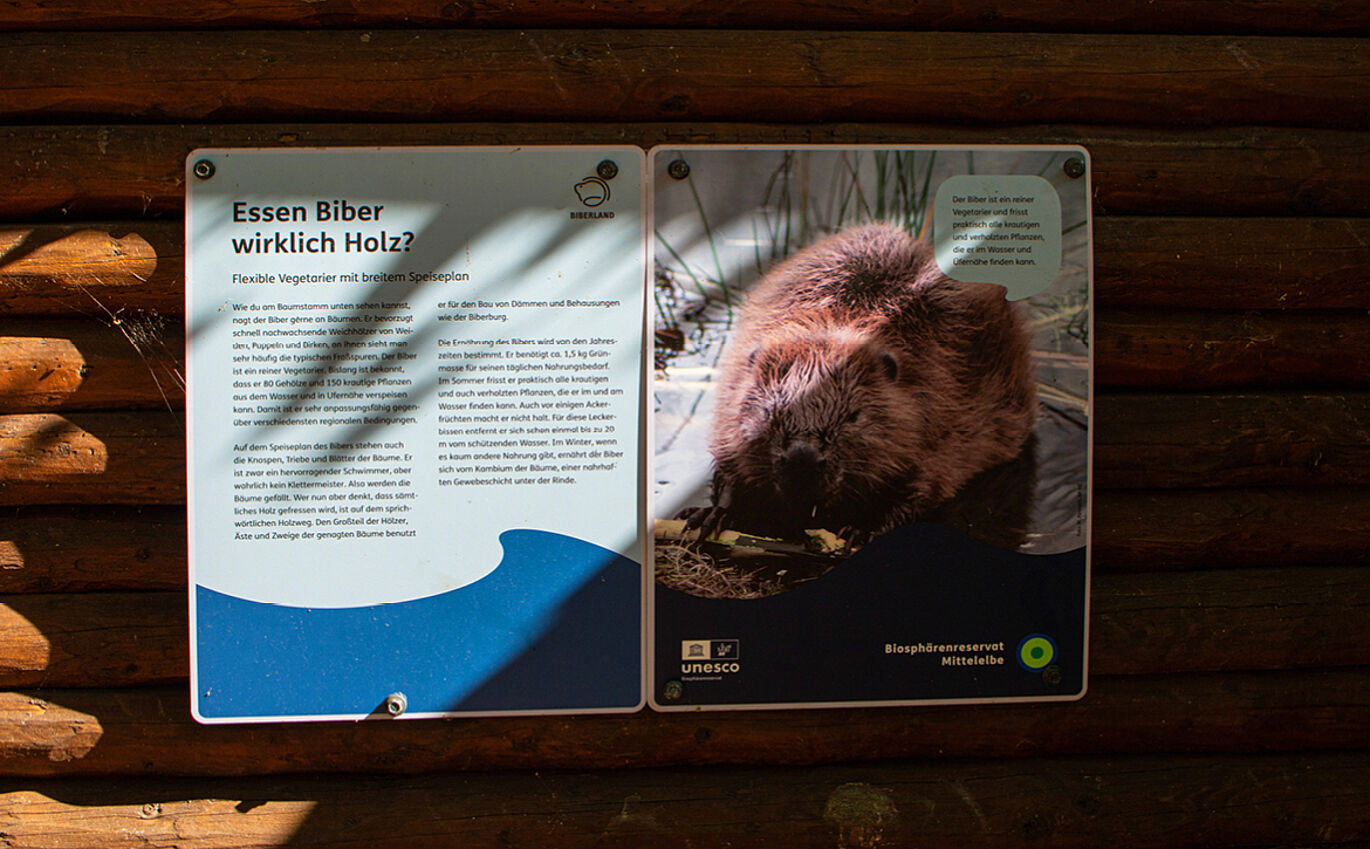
{"x": 1295, "y": 439}
{"x": 1229, "y": 528}
{"x": 1206, "y": 349}
{"x": 1232, "y": 263}
{"x": 1341, "y": 17}
{"x": 132, "y": 359}
{"x": 89, "y": 270}
{"x": 1168, "y": 803}
{"x": 76, "y": 640}
{"x": 1190, "y": 263}
{"x": 46, "y": 550}
{"x": 656, "y": 75}
{"x": 1141, "y": 624}
{"x": 1140, "y": 442}
{"x": 96, "y": 458}
{"x": 130, "y": 171}
{"x": 149, "y": 732}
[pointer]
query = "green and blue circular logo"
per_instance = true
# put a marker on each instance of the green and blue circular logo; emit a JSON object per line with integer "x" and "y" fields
{"x": 1036, "y": 652}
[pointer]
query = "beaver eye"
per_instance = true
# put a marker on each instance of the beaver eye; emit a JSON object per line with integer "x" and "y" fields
{"x": 890, "y": 365}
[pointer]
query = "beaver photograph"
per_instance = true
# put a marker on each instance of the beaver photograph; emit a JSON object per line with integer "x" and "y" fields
{"x": 840, "y": 385}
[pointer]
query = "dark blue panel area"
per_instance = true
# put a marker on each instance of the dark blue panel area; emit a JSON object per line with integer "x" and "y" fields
{"x": 925, "y": 586}
{"x": 556, "y": 626}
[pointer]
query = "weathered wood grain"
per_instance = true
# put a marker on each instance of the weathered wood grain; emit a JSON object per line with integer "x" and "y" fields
{"x": 653, "y": 75}
{"x": 129, "y": 359}
{"x": 1189, "y": 263}
{"x": 1275, "y": 439}
{"x": 95, "y": 458}
{"x": 1141, "y": 624}
{"x": 148, "y": 732}
{"x": 1208, "y": 349}
{"x": 1230, "y": 528}
{"x": 1343, "y": 17}
{"x": 82, "y": 639}
{"x": 121, "y": 171}
{"x": 1168, "y": 803}
{"x": 89, "y": 269}
{"x": 57, "y": 550}
{"x": 1176, "y": 441}
{"x": 1232, "y": 263}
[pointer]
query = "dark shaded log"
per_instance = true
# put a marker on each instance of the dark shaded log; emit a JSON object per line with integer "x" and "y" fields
{"x": 1147, "y": 624}
{"x": 129, "y": 360}
{"x": 1168, "y": 803}
{"x": 1295, "y": 439}
{"x": 93, "y": 458}
{"x": 651, "y": 75}
{"x": 150, "y": 732}
{"x": 119, "y": 171}
{"x": 1189, "y": 263}
{"x": 49, "y": 550}
{"x": 1207, "y": 349}
{"x": 1332, "y": 17}
{"x": 1229, "y": 528}
{"x": 1232, "y": 263}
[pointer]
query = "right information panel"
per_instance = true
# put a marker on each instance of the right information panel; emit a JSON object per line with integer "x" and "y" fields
{"x": 870, "y": 425}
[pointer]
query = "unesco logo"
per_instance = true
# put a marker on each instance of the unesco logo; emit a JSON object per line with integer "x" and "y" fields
{"x": 710, "y": 649}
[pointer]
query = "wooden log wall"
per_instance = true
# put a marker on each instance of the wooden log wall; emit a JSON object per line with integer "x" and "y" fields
{"x": 1230, "y": 698}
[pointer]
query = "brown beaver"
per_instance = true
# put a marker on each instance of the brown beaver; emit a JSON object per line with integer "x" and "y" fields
{"x": 863, "y": 387}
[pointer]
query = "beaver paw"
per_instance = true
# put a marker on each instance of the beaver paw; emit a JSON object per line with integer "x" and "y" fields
{"x": 856, "y": 537}
{"x": 708, "y": 520}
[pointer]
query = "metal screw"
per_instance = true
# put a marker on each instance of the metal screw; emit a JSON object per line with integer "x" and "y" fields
{"x": 204, "y": 169}
{"x": 679, "y": 169}
{"x": 395, "y": 704}
{"x": 608, "y": 169}
{"x": 672, "y": 691}
{"x": 1052, "y": 676}
{"x": 1074, "y": 167}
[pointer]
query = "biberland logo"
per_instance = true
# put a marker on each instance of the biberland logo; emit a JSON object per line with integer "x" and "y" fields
{"x": 592, "y": 192}
{"x": 709, "y": 656}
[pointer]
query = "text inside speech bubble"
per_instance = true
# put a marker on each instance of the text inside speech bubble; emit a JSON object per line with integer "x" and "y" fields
{"x": 1003, "y": 229}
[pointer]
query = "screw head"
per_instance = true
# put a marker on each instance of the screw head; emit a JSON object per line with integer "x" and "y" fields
{"x": 672, "y": 691}
{"x": 396, "y": 704}
{"x": 204, "y": 169}
{"x": 1052, "y": 675}
{"x": 608, "y": 169}
{"x": 1074, "y": 167}
{"x": 679, "y": 169}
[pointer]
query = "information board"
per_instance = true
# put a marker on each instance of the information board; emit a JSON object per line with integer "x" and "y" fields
{"x": 413, "y": 431}
{"x": 871, "y": 425}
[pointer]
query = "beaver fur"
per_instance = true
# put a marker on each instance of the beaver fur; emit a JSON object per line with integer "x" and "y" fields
{"x": 863, "y": 387}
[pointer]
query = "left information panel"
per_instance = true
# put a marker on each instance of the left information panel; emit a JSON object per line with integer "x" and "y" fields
{"x": 414, "y": 401}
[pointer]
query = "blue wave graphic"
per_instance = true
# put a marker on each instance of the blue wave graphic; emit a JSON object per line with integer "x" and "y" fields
{"x": 557, "y": 626}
